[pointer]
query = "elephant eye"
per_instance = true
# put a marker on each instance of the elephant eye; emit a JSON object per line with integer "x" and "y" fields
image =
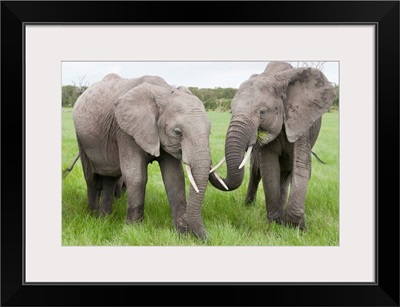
{"x": 178, "y": 132}
{"x": 263, "y": 112}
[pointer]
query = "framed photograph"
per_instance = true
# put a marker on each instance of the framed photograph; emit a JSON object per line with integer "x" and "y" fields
{"x": 340, "y": 247}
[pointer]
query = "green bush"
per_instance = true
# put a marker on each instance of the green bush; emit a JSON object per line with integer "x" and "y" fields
{"x": 335, "y": 106}
{"x": 210, "y": 105}
{"x": 215, "y": 99}
{"x": 70, "y": 94}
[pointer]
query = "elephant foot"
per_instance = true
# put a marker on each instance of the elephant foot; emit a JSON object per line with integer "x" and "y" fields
{"x": 91, "y": 209}
{"x": 134, "y": 215}
{"x": 196, "y": 226}
{"x": 295, "y": 220}
{"x": 104, "y": 212}
{"x": 276, "y": 216}
{"x": 251, "y": 196}
{"x": 106, "y": 206}
{"x": 301, "y": 224}
{"x": 181, "y": 225}
{"x": 134, "y": 220}
{"x": 201, "y": 234}
{"x": 93, "y": 204}
{"x": 250, "y": 201}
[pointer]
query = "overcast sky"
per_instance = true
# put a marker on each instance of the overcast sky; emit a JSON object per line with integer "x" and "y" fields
{"x": 190, "y": 74}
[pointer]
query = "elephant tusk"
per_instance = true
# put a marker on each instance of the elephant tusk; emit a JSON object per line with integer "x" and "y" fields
{"x": 218, "y": 165}
{"x": 191, "y": 179}
{"x": 221, "y": 181}
{"x": 246, "y": 157}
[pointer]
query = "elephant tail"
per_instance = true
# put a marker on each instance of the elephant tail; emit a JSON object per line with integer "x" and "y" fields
{"x": 67, "y": 170}
{"x": 316, "y": 156}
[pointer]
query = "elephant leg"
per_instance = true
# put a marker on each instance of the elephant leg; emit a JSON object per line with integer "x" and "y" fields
{"x": 93, "y": 182}
{"x": 254, "y": 180}
{"x": 294, "y": 214}
{"x": 285, "y": 182}
{"x": 136, "y": 189}
{"x": 270, "y": 174}
{"x": 174, "y": 182}
{"x": 119, "y": 188}
{"x": 107, "y": 194}
{"x": 133, "y": 163}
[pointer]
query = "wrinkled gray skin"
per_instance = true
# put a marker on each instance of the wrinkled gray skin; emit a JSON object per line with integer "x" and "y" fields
{"x": 124, "y": 124}
{"x": 278, "y": 112}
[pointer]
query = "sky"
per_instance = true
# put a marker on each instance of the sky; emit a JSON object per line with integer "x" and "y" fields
{"x": 190, "y": 74}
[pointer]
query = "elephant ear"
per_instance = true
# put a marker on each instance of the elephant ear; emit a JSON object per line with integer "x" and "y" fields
{"x": 309, "y": 94}
{"x": 136, "y": 113}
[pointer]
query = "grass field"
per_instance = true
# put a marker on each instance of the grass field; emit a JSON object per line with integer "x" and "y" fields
{"x": 228, "y": 221}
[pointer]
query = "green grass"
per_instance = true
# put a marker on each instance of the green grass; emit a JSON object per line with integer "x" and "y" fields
{"x": 228, "y": 221}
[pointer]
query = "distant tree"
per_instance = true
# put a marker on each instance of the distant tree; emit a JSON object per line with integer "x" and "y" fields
{"x": 70, "y": 93}
{"x": 318, "y": 65}
{"x": 82, "y": 85}
{"x": 335, "y": 105}
{"x": 215, "y": 99}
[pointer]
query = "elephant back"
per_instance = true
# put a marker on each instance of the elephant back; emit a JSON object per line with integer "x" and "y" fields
{"x": 98, "y": 100}
{"x": 99, "y": 97}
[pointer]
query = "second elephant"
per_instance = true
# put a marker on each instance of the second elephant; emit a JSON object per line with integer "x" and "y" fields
{"x": 124, "y": 124}
{"x": 278, "y": 114}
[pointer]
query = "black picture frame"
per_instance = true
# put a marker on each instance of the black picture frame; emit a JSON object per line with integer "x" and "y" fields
{"x": 384, "y": 15}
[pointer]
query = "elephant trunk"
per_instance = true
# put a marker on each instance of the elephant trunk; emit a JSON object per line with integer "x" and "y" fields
{"x": 199, "y": 167}
{"x": 238, "y": 138}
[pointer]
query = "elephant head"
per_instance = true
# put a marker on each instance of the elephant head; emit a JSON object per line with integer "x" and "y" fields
{"x": 163, "y": 118}
{"x": 282, "y": 100}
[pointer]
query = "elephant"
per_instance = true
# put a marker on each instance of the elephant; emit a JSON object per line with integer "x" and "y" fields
{"x": 124, "y": 124}
{"x": 276, "y": 117}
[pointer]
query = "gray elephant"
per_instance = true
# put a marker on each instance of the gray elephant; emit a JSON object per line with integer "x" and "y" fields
{"x": 124, "y": 124}
{"x": 277, "y": 114}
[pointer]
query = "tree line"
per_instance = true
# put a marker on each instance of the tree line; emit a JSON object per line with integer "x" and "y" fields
{"x": 216, "y": 99}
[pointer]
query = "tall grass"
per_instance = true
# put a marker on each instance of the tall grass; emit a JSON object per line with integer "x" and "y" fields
{"x": 228, "y": 221}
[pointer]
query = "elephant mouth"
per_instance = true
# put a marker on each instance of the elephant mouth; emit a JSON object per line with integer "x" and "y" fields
{"x": 263, "y": 136}
{"x": 174, "y": 150}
